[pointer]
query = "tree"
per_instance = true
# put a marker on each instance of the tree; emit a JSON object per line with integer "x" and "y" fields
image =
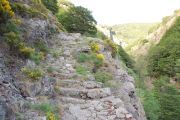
{"x": 51, "y": 5}
{"x": 78, "y": 19}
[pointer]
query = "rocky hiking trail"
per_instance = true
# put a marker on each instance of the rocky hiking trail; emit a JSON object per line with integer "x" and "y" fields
{"x": 87, "y": 99}
{"x": 79, "y": 97}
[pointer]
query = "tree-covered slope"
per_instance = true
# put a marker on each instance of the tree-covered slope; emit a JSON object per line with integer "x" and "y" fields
{"x": 132, "y": 31}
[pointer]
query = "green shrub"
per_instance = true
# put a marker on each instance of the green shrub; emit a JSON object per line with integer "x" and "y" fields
{"x": 103, "y": 77}
{"x": 125, "y": 58}
{"x": 81, "y": 70}
{"x": 51, "y": 111}
{"x": 33, "y": 73}
{"x": 44, "y": 107}
{"x": 112, "y": 46}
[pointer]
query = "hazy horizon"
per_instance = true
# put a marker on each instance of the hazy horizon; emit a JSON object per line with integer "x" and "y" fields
{"x": 112, "y": 12}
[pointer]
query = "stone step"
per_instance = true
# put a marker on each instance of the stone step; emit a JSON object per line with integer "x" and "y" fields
{"x": 69, "y": 83}
{"x": 67, "y": 100}
{"x": 85, "y": 93}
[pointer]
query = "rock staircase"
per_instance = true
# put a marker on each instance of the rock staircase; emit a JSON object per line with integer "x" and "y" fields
{"x": 83, "y": 99}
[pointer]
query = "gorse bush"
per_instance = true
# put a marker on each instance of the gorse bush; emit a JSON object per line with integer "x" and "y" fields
{"x": 100, "y": 56}
{"x": 27, "y": 51}
{"x": 33, "y": 73}
{"x": 50, "y": 116}
{"x": 12, "y": 39}
{"x": 94, "y": 47}
{"x": 5, "y": 11}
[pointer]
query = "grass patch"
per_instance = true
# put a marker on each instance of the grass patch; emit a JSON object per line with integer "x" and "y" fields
{"x": 81, "y": 70}
{"x": 41, "y": 46}
{"x": 51, "y": 111}
{"x": 103, "y": 77}
{"x": 83, "y": 57}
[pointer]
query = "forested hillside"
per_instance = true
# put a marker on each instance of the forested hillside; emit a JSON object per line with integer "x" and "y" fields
{"x": 157, "y": 65}
{"x": 164, "y": 67}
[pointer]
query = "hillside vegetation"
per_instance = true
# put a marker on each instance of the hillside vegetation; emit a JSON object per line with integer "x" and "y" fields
{"x": 163, "y": 66}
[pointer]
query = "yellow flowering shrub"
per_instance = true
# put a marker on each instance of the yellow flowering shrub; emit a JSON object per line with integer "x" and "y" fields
{"x": 33, "y": 73}
{"x": 100, "y": 56}
{"x": 50, "y": 116}
{"x": 27, "y": 51}
{"x": 94, "y": 47}
{"x": 5, "y": 10}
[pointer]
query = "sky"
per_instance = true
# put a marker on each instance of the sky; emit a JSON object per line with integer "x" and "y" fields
{"x": 111, "y": 12}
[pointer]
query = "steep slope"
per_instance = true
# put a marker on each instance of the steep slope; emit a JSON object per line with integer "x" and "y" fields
{"x": 46, "y": 74}
{"x": 155, "y": 36}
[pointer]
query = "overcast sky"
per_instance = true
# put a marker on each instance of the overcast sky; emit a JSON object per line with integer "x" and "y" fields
{"x": 129, "y": 11}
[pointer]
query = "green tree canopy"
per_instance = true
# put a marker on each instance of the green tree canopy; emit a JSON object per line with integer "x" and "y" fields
{"x": 78, "y": 19}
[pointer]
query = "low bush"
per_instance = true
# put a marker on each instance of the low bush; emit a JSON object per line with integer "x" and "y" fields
{"x": 33, "y": 73}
